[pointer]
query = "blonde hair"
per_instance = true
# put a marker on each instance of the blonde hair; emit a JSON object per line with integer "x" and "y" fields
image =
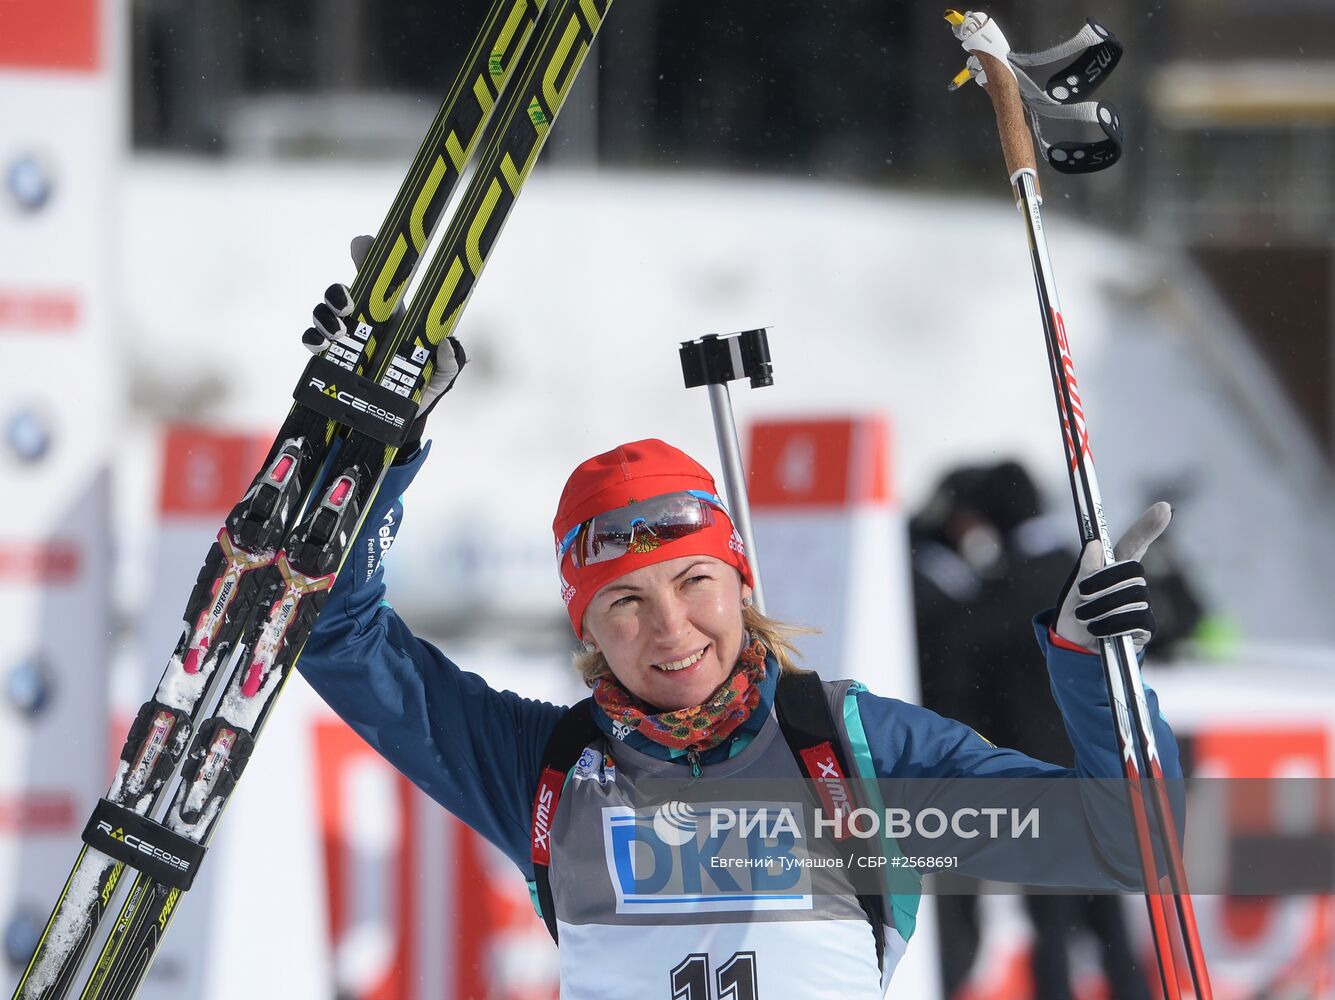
{"x": 776, "y": 636}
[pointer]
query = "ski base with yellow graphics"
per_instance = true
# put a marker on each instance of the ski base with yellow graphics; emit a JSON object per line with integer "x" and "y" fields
{"x": 262, "y": 587}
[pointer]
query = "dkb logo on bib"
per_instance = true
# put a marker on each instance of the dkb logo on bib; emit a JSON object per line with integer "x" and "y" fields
{"x": 677, "y": 858}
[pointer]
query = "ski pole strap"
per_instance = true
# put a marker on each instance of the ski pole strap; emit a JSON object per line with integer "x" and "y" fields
{"x": 139, "y": 842}
{"x": 1093, "y": 53}
{"x": 1090, "y": 55}
{"x": 1072, "y": 156}
{"x": 1097, "y": 52}
{"x": 574, "y": 731}
{"x": 809, "y": 729}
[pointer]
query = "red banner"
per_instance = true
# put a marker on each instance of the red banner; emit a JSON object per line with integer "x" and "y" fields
{"x": 38, "y": 562}
{"x": 204, "y": 472}
{"x": 819, "y": 463}
{"x": 339, "y": 750}
{"x": 37, "y": 812}
{"x": 49, "y": 34}
{"x": 37, "y": 312}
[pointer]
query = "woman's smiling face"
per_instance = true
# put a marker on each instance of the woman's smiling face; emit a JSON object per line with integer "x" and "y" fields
{"x": 671, "y": 632}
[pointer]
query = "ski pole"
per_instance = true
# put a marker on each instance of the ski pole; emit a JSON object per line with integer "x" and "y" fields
{"x": 990, "y": 64}
{"x": 715, "y": 361}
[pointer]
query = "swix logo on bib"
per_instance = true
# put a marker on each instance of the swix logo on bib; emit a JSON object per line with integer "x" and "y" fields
{"x": 680, "y": 857}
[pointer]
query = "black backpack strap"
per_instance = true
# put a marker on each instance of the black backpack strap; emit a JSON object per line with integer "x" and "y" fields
{"x": 809, "y": 727}
{"x": 573, "y": 733}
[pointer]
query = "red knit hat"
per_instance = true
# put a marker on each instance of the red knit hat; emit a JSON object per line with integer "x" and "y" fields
{"x": 626, "y": 474}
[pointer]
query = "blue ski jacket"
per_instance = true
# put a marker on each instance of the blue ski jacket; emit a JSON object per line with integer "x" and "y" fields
{"x": 478, "y": 751}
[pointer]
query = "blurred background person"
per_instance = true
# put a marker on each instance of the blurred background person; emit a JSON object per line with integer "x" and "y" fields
{"x": 986, "y": 557}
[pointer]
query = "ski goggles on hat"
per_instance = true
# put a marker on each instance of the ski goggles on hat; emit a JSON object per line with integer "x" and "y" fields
{"x": 640, "y": 527}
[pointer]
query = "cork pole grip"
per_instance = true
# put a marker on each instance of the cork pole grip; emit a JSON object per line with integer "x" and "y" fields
{"x": 1016, "y": 143}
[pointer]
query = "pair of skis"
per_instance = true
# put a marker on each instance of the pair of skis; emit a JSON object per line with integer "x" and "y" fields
{"x": 266, "y": 579}
{"x": 1014, "y": 96}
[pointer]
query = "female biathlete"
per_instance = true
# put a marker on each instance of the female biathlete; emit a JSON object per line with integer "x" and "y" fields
{"x": 691, "y": 682}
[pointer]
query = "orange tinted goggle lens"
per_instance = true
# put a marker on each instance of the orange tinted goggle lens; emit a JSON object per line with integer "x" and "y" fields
{"x": 641, "y": 527}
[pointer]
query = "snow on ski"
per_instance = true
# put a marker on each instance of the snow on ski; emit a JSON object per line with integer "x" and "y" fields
{"x": 313, "y": 552}
{"x": 240, "y": 565}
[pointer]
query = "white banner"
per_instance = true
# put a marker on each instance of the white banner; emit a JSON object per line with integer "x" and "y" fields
{"x": 833, "y": 548}
{"x": 59, "y": 146}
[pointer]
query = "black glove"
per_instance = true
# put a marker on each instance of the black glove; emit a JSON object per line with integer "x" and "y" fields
{"x": 1099, "y": 602}
{"x": 327, "y": 326}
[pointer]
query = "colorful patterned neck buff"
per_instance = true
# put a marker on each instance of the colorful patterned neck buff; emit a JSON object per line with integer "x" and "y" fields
{"x": 701, "y": 727}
